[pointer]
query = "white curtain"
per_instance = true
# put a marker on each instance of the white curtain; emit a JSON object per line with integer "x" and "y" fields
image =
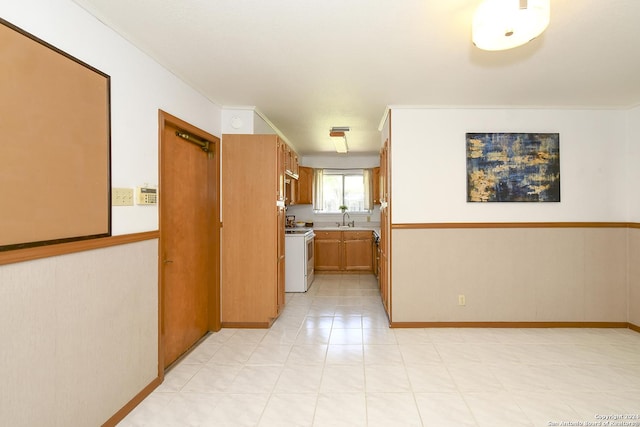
{"x": 368, "y": 189}
{"x": 317, "y": 189}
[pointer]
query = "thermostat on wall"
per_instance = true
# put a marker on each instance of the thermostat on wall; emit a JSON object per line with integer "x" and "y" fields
{"x": 146, "y": 195}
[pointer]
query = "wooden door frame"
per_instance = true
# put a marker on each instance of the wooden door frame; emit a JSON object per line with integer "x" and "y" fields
{"x": 213, "y": 179}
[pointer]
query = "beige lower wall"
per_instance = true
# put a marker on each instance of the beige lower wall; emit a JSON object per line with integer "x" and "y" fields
{"x": 510, "y": 275}
{"x": 634, "y": 276}
{"x": 79, "y": 335}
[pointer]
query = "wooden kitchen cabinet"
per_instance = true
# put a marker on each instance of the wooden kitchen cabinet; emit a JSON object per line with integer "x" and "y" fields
{"x": 252, "y": 236}
{"x": 291, "y": 162}
{"x": 343, "y": 251}
{"x": 304, "y": 194}
{"x": 376, "y": 186}
{"x": 357, "y": 250}
{"x": 328, "y": 251}
{"x": 280, "y": 287}
{"x": 384, "y": 261}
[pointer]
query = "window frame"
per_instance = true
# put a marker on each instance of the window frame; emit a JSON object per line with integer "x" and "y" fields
{"x": 344, "y": 173}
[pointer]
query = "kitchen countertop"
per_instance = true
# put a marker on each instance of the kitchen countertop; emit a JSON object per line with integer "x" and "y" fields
{"x": 374, "y": 228}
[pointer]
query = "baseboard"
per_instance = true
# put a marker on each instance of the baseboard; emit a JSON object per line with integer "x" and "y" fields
{"x": 634, "y": 327}
{"x": 119, "y": 416}
{"x": 510, "y": 325}
{"x": 247, "y": 325}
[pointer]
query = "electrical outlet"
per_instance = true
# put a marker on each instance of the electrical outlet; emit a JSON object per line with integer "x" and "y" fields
{"x": 462, "y": 300}
{"x": 122, "y": 196}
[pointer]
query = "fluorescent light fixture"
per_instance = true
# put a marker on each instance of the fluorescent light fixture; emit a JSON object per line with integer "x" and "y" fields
{"x": 339, "y": 139}
{"x": 505, "y": 24}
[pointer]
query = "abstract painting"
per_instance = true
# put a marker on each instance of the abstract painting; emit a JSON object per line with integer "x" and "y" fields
{"x": 513, "y": 167}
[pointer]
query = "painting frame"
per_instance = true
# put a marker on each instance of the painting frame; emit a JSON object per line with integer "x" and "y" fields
{"x": 513, "y": 167}
{"x": 55, "y": 150}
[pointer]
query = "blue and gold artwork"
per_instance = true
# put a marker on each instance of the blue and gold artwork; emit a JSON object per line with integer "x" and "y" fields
{"x": 513, "y": 167}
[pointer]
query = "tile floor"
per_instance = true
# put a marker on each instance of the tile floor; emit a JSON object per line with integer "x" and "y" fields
{"x": 331, "y": 360}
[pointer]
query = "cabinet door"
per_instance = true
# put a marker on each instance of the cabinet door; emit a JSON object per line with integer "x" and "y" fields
{"x": 376, "y": 186}
{"x": 357, "y": 251}
{"x": 281, "y": 260}
{"x": 280, "y": 170}
{"x": 328, "y": 251}
{"x": 296, "y": 165}
{"x": 305, "y": 186}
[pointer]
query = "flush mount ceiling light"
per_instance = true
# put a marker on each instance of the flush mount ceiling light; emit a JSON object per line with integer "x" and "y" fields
{"x": 505, "y": 24}
{"x": 339, "y": 138}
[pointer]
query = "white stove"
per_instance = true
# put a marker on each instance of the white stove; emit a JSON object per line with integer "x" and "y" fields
{"x": 298, "y": 259}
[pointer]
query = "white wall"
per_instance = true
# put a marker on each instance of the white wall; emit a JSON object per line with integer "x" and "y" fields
{"x": 566, "y": 273}
{"x": 633, "y": 178}
{"x": 633, "y": 163}
{"x": 429, "y": 164}
{"x": 79, "y": 331}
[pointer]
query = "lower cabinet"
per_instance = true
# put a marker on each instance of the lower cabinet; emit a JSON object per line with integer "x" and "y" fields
{"x": 328, "y": 251}
{"x": 343, "y": 251}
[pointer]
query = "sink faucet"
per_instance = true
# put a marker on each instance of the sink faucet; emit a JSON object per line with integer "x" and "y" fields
{"x": 347, "y": 214}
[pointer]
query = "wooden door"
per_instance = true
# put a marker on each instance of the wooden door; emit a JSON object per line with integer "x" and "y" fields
{"x": 189, "y": 237}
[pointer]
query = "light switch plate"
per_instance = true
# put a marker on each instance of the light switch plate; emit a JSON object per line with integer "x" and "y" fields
{"x": 122, "y": 196}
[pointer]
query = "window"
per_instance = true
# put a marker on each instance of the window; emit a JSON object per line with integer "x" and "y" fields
{"x": 336, "y": 187}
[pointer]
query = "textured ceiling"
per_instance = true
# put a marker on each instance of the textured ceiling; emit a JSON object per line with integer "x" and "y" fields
{"x": 310, "y": 65}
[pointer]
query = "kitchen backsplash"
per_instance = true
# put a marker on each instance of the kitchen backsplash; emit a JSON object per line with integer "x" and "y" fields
{"x": 305, "y": 213}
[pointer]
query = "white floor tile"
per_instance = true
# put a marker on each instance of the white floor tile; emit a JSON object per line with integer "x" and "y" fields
{"x": 342, "y": 354}
{"x": 255, "y": 379}
{"x": 307, "y": 354}
{"x": 289, "y": 410}
{"x": 444, "y": 410}
{"x": 238, "y": 410}
{"x": 392, "y": 409}
{"x": 331, "y": 360}
{"x": 432, "y": 377}
{"x": 496, "y": 409}
{"x": 342, "y": 378}
{"x": 341, "y": 410}
{"x": 299, "y": 379}
{"x": 386, "y": 378}
{"x": 212, "y": 379}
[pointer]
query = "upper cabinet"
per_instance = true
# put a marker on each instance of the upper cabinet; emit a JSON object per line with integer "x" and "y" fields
{"x": 291, "y": 165}
{"x": 304, "y": 194}
{"x": 376, "y": 186}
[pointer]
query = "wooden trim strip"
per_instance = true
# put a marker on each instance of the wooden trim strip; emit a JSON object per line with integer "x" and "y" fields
{"x": 446, "y": 225}
{"x": 248, "y": 325}
{"x": 130, "y": 406}
{"x": 510, "y": 325}
{"x": 21, "y": 255}
{"x": 634, "y": 327}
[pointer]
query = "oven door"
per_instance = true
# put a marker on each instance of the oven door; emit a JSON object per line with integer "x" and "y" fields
{"x": 310, "y": 241}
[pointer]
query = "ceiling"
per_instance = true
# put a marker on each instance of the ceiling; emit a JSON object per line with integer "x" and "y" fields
{"x": 310, "y": 65}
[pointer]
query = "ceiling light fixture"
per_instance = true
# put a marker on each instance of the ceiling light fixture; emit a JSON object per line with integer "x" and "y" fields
{"x": 339, "y": 138}
{"x": 505, "y": 24}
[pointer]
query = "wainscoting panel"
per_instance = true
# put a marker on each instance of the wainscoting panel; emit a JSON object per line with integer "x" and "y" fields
{"x": 79, "y": 334}
{"x": 510, "y": 274}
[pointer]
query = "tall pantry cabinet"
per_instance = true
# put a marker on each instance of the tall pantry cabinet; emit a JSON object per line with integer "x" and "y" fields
{"x": 253, "y": 221}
